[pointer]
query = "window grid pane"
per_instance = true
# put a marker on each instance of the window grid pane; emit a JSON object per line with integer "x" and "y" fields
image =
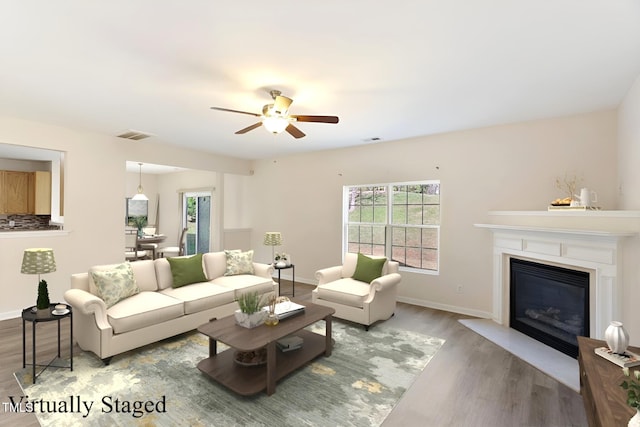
{"x": 415, "y": 215}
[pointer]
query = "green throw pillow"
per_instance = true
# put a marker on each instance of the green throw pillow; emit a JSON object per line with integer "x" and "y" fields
{"x": 368, "y": 269}
{"x": 186, "y": 270}
{"x": 115, "y": 284}
{"x": 239, "y": 262}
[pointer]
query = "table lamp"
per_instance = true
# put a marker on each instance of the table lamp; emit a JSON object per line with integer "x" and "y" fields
{"x": 39, "y": 261}
{"x": 272, "y": 238}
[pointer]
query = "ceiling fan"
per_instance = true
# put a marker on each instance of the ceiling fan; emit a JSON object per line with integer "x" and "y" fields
{"x": 276, "y": 118}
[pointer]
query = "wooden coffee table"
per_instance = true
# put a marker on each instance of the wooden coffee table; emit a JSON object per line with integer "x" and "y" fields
{"x": 249, "y": 380}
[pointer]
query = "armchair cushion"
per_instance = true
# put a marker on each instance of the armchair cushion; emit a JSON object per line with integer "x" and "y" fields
{"x": 186, "y": 270}
{"x": 346, "y": 291}
{"x": 115, "y": 284}
{"x": 368, "y": 269}
{"x": 239, "y": 262}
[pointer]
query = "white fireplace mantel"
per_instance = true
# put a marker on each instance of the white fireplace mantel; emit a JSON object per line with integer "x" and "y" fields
{"x": 595, "y": 250}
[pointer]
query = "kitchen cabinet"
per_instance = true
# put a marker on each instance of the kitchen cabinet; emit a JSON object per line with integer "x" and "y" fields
{"x": 14, "y": 192}
{"x": 40, "y": 193}
{"x": 25, "y": 192}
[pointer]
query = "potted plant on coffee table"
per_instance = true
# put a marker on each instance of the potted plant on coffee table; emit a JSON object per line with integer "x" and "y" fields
{"x": 250, "y": 313}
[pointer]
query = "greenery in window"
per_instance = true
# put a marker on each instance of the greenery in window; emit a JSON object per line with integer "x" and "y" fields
{"x": 400, "y": 220}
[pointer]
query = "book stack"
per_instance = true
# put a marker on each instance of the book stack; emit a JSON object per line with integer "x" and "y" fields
{"x": 625, "y": 360}
{"x": 290, "y": 343}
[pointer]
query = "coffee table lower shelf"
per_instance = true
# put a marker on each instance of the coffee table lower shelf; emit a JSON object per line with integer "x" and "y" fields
{"x": 250, "y": 380}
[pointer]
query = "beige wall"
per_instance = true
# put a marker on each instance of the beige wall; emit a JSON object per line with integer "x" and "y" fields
{"x": 95, "y": 187}
{"x": 511, "y": 167}
{"x": 629, "y": 185}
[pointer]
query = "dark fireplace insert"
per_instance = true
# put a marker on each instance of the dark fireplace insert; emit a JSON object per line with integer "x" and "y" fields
{"x": 549, "y": 303}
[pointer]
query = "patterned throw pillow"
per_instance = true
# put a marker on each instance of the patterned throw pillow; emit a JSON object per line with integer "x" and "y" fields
{"x": 115, "y": 284}
{"x": 239, "y": 262}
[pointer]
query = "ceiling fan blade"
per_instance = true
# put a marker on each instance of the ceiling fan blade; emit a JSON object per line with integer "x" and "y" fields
{"x": 235, "y": 111}
{"x": 281, "y": 104}
{"x": 294, "y": 131}
{"x": 317, "y": 119}
{"x": 248, "y": 128}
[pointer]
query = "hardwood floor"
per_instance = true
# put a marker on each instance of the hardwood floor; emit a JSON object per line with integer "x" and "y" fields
{"x": 469, "y": 382}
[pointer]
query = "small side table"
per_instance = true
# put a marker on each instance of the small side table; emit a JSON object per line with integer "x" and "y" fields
{"x": 293, "y": 279}
{"x": 30, "y": 315}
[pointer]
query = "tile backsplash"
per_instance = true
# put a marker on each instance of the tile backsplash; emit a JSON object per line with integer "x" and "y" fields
{"x": 26, "y": 222}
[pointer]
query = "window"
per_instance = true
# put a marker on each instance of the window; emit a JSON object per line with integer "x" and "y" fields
{"x": 400, "y": 221}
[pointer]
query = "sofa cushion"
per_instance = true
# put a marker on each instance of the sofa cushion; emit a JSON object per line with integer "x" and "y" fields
{"x": 345, "y": 291}
{"x": 239, "y": 262}
{"x": 115, "y": 284}
{"x": 245, "y": 283}
{"x": 215, "y": 264}
{"x": 186, "y": 270}
{"x": 142, "y": 310}
{"x": 143, "y": 272}
{"x": 368, "y": 269}
{"x": 201, "y": 296}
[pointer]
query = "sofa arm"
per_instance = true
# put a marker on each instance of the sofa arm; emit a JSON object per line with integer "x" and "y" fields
{"x": 385, "y": 282}
{"x": 88, "y": 304}
{"x": 329, "y": 274}
{"x": 263, "y": 270}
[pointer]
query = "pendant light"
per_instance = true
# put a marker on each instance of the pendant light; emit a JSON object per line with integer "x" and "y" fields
{"x": 140, "y": 194}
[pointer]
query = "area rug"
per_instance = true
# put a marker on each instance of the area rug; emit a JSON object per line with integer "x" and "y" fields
{"x": 159, "y": 385}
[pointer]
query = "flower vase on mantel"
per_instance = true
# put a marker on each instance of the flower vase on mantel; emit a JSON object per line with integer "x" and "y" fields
{"x": 616, "y": 337}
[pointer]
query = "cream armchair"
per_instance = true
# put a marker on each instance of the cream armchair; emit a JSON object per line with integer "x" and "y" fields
{"x": 354, "y": 300}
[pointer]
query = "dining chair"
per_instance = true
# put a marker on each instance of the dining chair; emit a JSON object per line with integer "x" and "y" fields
{"x": 152, "y": 247}
{"x": 169, "y": 251}
{"x": 131, "y": 250}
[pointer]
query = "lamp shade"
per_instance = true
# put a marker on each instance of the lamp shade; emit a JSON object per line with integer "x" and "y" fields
{"x": 272, "y": 238}
{"x": 38, "y": 261}
{"x": 140, "y": 194}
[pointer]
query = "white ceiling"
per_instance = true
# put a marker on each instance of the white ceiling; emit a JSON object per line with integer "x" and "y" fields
{"x": 388, "y": 70}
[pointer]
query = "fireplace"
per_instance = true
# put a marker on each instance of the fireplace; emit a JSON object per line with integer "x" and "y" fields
{"x": 596, "y": 251}
{"x": 549, "y": 303}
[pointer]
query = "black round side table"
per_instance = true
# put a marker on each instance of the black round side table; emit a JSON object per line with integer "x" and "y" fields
{"x": 31, "y": 315}
{"x": 293, "y": 281}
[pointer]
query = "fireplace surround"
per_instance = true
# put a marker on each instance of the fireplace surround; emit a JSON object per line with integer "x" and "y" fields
{"x": 597, "y": 253}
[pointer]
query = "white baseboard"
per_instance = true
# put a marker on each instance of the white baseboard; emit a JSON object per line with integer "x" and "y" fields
{"x": 446, "y": 307}
{"x": 10, "y": 314}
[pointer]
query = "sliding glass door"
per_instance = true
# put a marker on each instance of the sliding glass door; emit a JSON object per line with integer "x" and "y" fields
{"x": 197, "y": 218}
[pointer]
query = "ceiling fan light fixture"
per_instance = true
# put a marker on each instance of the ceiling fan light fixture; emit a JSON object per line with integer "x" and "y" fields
{"x": 275, "y": 124}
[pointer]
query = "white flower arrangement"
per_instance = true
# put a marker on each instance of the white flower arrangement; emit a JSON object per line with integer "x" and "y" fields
{"x": 281, "y": 256}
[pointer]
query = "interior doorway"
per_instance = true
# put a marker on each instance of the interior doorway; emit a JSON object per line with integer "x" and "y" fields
{"x": 196, "y": 216}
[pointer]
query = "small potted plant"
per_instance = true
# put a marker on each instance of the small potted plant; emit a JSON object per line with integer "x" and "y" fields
{"x": 250, "y": 313}
{"x": 632, "y": 388}
{"x": 42, "y": 304}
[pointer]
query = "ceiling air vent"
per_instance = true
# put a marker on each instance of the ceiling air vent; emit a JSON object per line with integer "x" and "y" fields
{"x": 134, "y": 135}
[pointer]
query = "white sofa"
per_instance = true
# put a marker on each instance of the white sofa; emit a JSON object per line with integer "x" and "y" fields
{"x": 158, "y": 311}
{"x": 357, "y": 301}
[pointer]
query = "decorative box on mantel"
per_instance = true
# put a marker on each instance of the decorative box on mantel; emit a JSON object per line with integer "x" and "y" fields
{"x": 589, "y": 241}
